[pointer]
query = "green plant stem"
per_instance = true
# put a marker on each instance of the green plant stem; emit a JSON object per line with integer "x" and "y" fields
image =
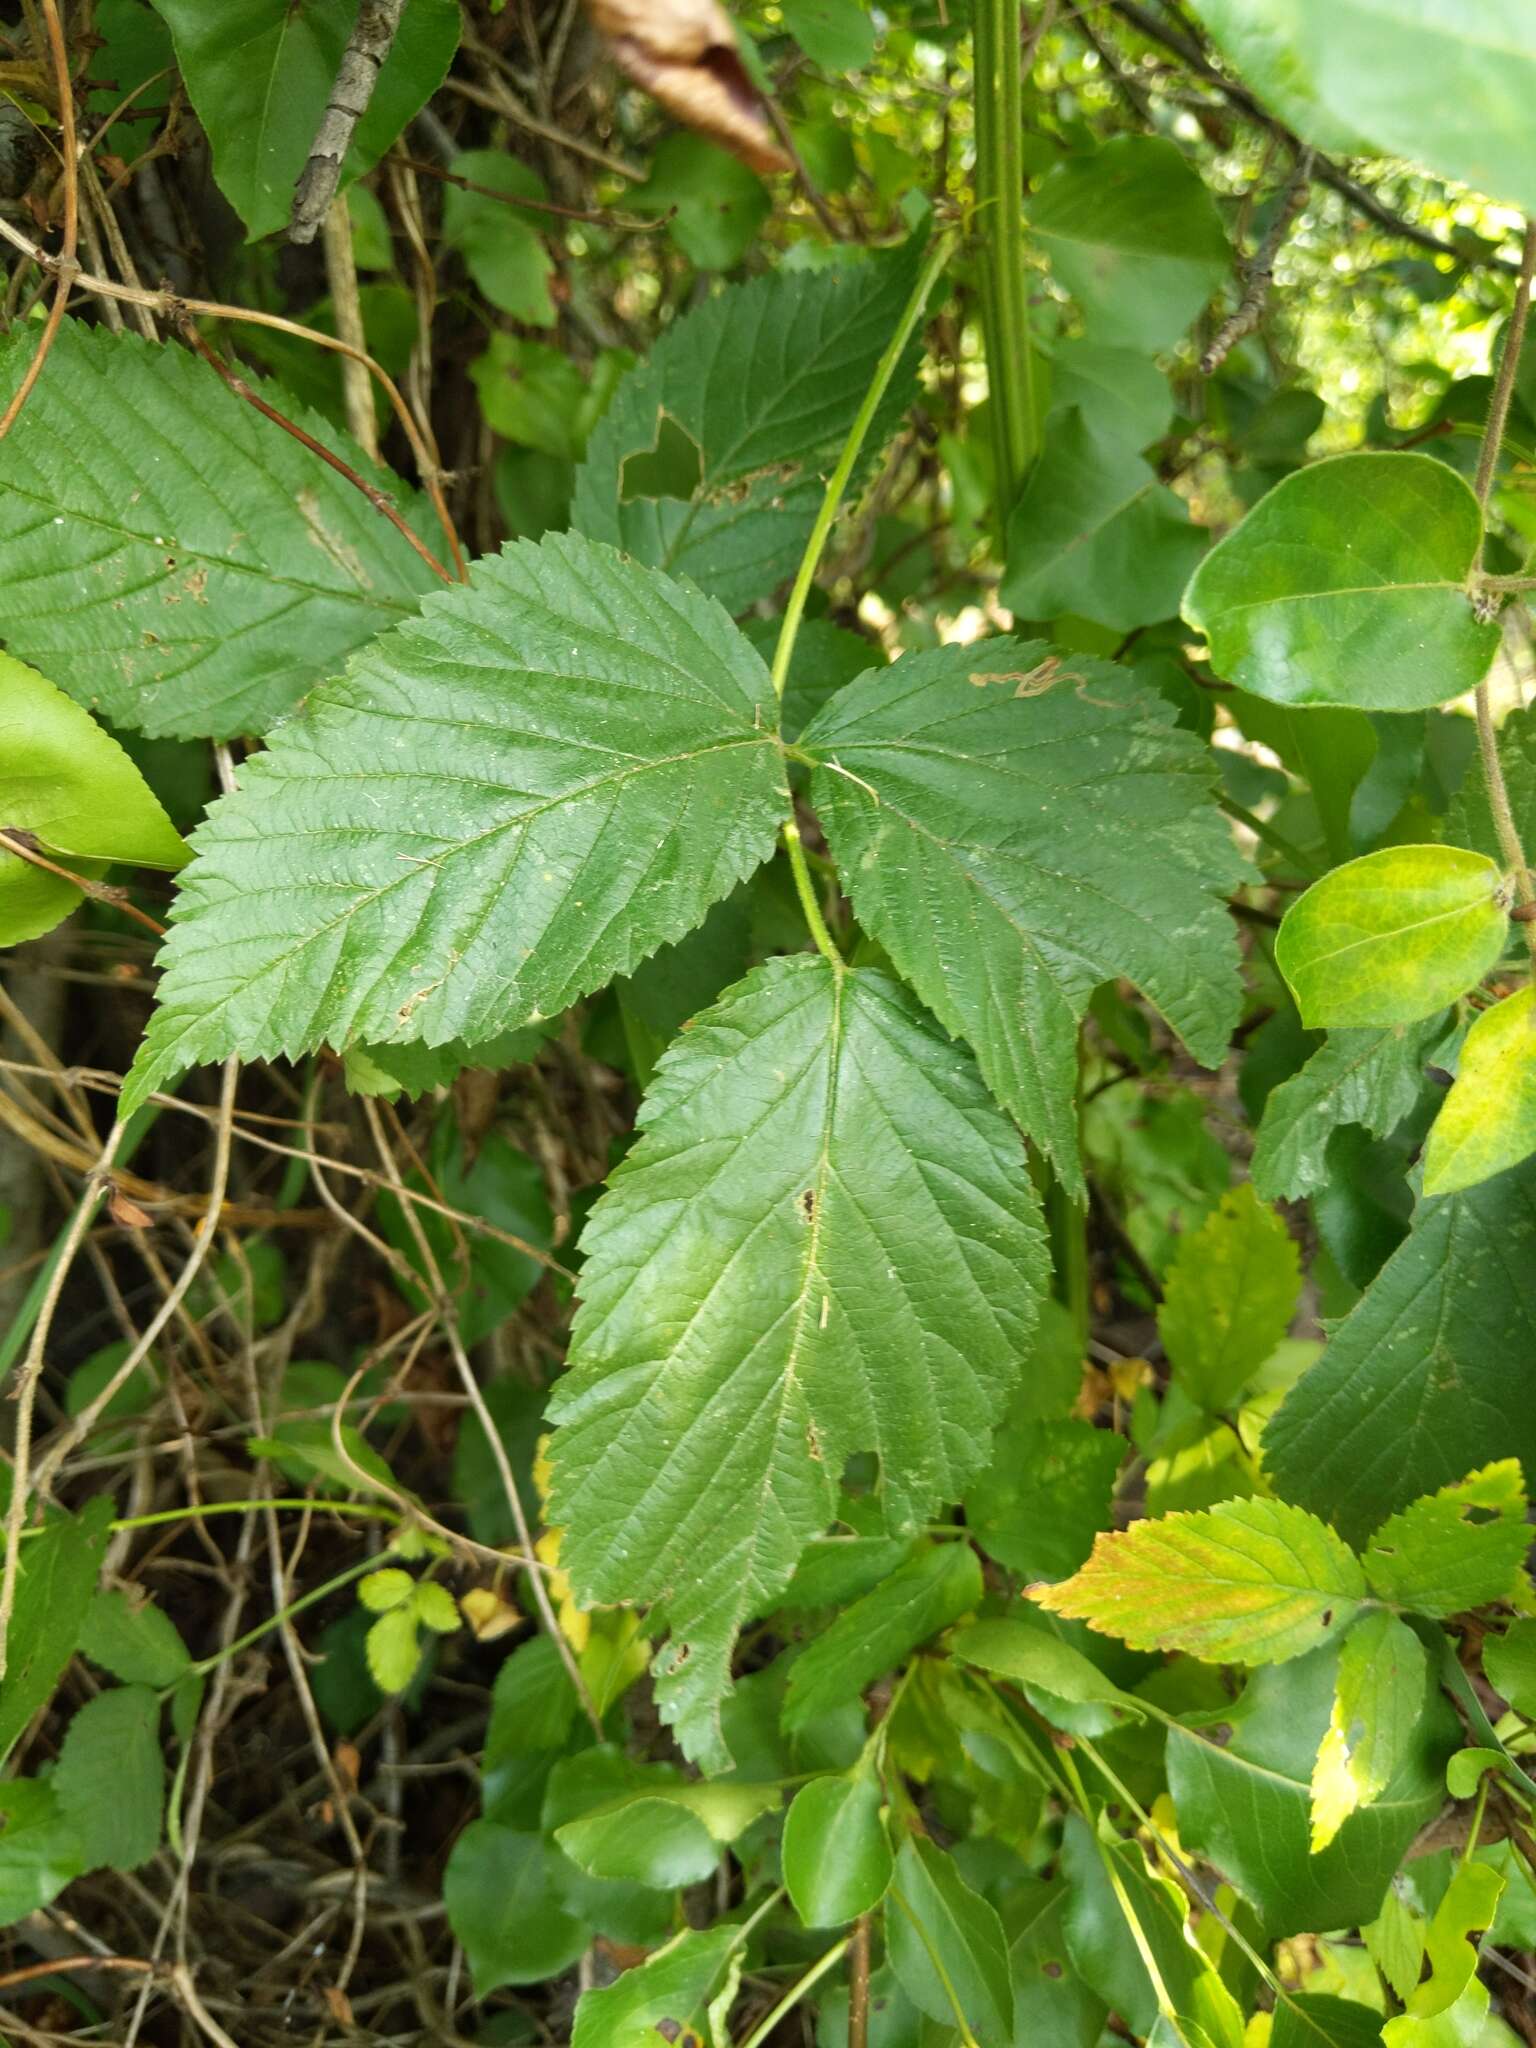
{"x": 999, "y": 222}
{"x": 1487, "y": 464}
{"x": 198, "y": 1510}
{"x": 933, "y": 263}
{"x": 961, "y": 2023}
{"x": 805, "y": 889}
{"x": 1262, "y": 829}
{"x": 796, "y": 1992}
{"x": 1456, "y": 1682}
{"x": 254, "y": 1635}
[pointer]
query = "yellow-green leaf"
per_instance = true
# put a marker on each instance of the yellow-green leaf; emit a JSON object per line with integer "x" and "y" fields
{"x": 1459, "y": 1548}
{"x": 1376, "y": 1707}
{"x": 1392, "y": 937}
{"x": 1228, "y": 1298}
{"x": 1249, "y": 1582}
{"x": 1488, "y": 1122}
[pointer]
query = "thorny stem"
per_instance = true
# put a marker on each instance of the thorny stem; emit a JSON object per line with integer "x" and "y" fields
{"x": 1487, "y": 463}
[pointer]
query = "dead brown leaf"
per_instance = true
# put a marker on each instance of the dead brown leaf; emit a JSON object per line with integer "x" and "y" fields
{"x": 683, "y": 52}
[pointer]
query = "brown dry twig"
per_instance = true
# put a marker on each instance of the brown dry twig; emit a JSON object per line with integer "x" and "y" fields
{"x": 22, "y": 845}
{"x": 1260, "y": 274}
{"x": 66, "y": 257}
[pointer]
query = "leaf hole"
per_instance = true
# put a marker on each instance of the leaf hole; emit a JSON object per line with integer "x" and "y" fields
{"x": 1478, "y": 1517}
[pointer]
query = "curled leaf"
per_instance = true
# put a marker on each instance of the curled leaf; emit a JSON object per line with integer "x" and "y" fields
{"x": 684, "y": 53}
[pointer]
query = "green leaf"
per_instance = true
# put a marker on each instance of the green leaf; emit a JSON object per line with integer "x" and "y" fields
{"x": 201, "y": 579}
{"x": 1243, "y": 1795}
{"x": 502, "y": 1902}
{"x": 1134, "y": 236}
{"x": 404, "y": 899}
{"x": 1392, "y": 937}
{"x": 73, "y": 788}
{"x": 1395, "y": 1943}
{"x": 1466, "y": 2024}
{"x": 1488, "y": 1122}
{"x": 1314, "y": 2019}
{"x": 1041, "y": 805}
{"x": 1469, "y": 821}
{"x": 435, "y": 1608}
{"x": 1347, "y": 584}
{"x": 1460, "y": 1548}
{"x": 1125, "y": 393}
{"x": 383, "y": 1590}
{"x": 259, "y": 74}
{"x": 1096, "y": 534}
{"x": 816, "y": 1123}
{"x": 1467, "y": 1908}
{"x": 1509, "y": 1661}
{"x": 1413, "y": 1389}
{"x": 133, "y": 1639}
{"x": 392, "y": 1070}
{"x": 1050, "y": 1672}
{"x": 1371, "y": 1078}
{"x": 1050, "y": 2001}
{"x": 394, "y": 1654}
{"x": 53, "y": 1591}
{"x": 1376, "y": 1709}
{"x": 945, "y": 1939}
{"x": 714, "y": 204}
{"x": 836, "y": 1859}
{"x": 836, "y": 34}
{"x": 503, "y": 249}
{"x": 1248, "y": 1582}
{"x": 763, "y": 381}
{"x": 1047, "y": 1493}
{"x": 877, "y": 1633}
{"x": 663, "y": 1998}
{"x": 1228, "y": 1299}
{"x": 40, "y": 1851}
{"x": 1445, "y": 83}
{"x": 658, "y": 1830}
{"x": 110, "y": 1777}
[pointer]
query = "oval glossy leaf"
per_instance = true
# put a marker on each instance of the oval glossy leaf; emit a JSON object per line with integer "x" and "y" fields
{"x": 664, "y": 1999}
{"x": 1392, "y": 937}
{"x": 200, "y": 578}
{"x": 1248, "y": 1582}
{"x": 1048, "y": 1670}
{"x": 645, "y": 1841}
{"x": 836, "y": 1859}
{"x": 503, "y": 1903}
{"x": 557, "y": 768}
{"x": 1347, "y": 584}
{"x": 1133, "y": 234}
{"x": 1488, "y": 1122}
{"x": 877, "y": 1632}
{"x": 946, "y": 1944}
{"x": 815, "y": 1142}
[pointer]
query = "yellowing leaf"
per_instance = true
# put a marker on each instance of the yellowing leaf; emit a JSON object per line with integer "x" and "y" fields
{"x": 1392, "y": 937}
{"x": 1249, "y": 1582}
{"x": 1377, "y": 1704}
{"x": 1488, "y": 1122}
{"x": 1228, "y": 1298}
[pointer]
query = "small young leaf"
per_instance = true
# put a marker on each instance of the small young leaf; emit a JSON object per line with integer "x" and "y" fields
{"x": 110, "y": 1777}
{"x": 382, "y": 1590}
{"x": 1372, "y": 1078}
{"x": 1051, "y": 1672}
{"x": 1460, "y": 1548}
{"x": 40, "y": 1848}
{"x": 133, "y": 1639}
{"x": 1133, "y": 234}
{"x": 1249, "y": 1582}
{"x": 1467, "y": 1908}
{"x": 435, "y": 1608}
{"x": 837, "y": 1861}
{"x": 1347, "y": 584}
{"x": 393, "y": 1651}
{"x": 816, "y": 1116}
{"x": 1096, "y": 534}
{"x": 405, "y": 899}
{"x": 503, "y": 1904}
{"x": 1376, "y": 1709}
{"x": 1488, "y": 1121}
{"x": 1395, "y": 1942}
{"x": 1509, "y": 1661}
{"x": 877, "y": 1633}
{"x": 1413, "y": 1389}
{"x": 228, "y": 569}
{"x": 1042, "y": 804}
{"x": 1392, "y": 937}
{"x": 664, "y": 1999}
{"x": 945, "y": 1939}
{"x": 1228, "y": 1299}
{"x": 502, "y": 246}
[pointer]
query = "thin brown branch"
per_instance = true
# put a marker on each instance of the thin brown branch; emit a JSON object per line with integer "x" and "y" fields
{"x": 20, "y": 844}
{"x": 1261, "y": 270}
{"x": 618, "y": 222}
{"x": 66, "y": 92}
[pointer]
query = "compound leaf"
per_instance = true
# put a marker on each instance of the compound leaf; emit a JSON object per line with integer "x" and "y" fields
{"x": 1392, "y": 937}
{"x": 756, "y": 389}
{"x": 1248, "y": 1582}
{"x": 1347, "y": 584}
{"x": 1413, "y": 1390}
{"x": 554, "y": 770}
{"x": 1460, "y": 1548}
{"x": 1371, "y": 1078}
{"x": 1228, "y": 1298}
{"x": 1135, "y": 237}
{"x": 1015, "y": 826}
{"x": 198, "y": 575}
{"x": 826, "y": 1241}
